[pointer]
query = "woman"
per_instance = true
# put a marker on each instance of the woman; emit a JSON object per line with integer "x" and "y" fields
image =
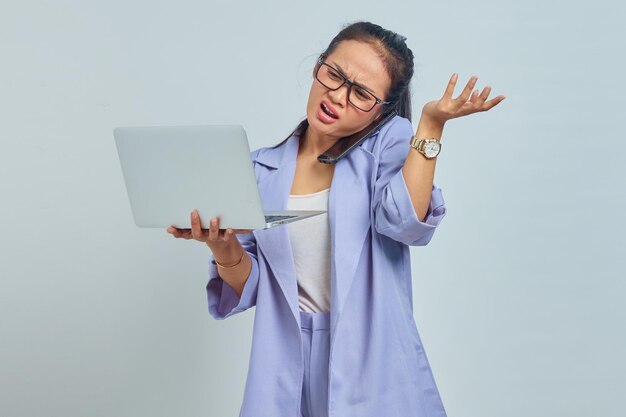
{"x": 334, "y": 333}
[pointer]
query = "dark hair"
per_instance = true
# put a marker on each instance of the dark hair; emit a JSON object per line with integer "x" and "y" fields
{"x": 396, "y": 56}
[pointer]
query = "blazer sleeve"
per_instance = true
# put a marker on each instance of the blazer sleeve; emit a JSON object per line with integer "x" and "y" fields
{"x": 394, "y": 215}
{"x": 223, "y": 300}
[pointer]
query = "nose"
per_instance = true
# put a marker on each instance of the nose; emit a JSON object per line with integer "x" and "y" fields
{"x": 340, "y": 95}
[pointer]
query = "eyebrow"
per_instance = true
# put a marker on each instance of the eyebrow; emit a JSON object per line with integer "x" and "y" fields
{"x": 360, "y": 85}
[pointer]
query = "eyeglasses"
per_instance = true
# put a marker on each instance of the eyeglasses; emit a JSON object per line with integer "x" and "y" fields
{"x": 359, "y": 97}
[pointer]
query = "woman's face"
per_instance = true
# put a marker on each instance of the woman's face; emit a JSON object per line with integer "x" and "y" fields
{"x": 361, "y": 64}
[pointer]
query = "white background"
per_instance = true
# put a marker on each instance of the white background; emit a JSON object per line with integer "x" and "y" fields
{"x": 518, "y": 297}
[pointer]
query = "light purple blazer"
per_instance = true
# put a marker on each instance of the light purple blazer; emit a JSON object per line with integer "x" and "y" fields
{"x": 378, "y": 366}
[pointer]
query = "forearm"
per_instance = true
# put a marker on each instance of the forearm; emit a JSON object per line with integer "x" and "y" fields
{"x": 236, "y": 276}
{"x": 419, "y": 172}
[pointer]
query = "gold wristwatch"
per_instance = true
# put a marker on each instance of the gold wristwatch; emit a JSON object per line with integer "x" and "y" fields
{"x": 430, "y": 148}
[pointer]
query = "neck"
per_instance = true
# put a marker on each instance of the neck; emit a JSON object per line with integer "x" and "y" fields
{"x": 313, "y": 144}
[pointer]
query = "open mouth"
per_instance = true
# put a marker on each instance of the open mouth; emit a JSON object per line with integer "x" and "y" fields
{"x": 327, "y": 111}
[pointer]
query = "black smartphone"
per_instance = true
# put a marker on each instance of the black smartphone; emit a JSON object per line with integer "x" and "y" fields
{"x": 345, "y": 145}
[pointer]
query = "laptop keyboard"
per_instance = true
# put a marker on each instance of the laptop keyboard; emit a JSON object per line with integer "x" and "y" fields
{"x": 270, "y": 219}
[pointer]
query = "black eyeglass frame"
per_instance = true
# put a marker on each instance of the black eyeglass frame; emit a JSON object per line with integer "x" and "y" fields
{"x": 321, "y": 62}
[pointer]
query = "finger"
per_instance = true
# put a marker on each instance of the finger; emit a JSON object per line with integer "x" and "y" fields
{"x": 181, "y": 233}
{"x": 228, "y": 234}
{"x": 451, "y": 85}
{"x": 464, "y": 96}
{"x": 491, "y": 103}
{"x": 196, "y": 231}
{"x": 185, "y": 233}
{"x": 214, "y": 230}
{"x": 474, "y": 96}
{"x": 478, "y": 100}
{"x": 175, "y": 232}
{"x": 485, "y": 94}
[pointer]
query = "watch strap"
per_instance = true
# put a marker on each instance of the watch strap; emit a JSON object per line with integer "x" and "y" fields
{"x": 419, "y": 143}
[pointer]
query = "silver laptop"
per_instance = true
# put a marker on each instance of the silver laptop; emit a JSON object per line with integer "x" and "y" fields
{"x": 170, "y": 170}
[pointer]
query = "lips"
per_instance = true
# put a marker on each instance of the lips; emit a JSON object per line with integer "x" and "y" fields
{"x": 329, "y": 109}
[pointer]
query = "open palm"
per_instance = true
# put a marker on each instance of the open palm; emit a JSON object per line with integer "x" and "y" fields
{"x": 448, "y": 108}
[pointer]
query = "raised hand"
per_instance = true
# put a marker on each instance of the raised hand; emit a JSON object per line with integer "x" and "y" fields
{"x": 447, "y": 107}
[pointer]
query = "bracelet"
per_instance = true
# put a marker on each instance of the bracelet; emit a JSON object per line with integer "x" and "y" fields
{"x": 233, "y": 265}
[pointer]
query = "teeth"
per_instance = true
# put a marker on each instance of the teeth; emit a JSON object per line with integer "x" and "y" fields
{"x": 328, "y": 110}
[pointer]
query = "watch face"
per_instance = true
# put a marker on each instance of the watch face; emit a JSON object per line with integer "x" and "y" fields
{"x": 432, "y": 149}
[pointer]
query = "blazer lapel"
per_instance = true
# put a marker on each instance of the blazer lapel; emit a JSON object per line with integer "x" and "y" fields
{"x": 350, "y": 220}
{"x": 349, "y": 214}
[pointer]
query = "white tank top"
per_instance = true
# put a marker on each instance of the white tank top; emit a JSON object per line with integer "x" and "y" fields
{"x": 310, "y": 243}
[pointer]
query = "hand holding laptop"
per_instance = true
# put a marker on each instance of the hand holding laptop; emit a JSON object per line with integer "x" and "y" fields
{"x": 213, "y": 234}
{"x": 221, "y": 242}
